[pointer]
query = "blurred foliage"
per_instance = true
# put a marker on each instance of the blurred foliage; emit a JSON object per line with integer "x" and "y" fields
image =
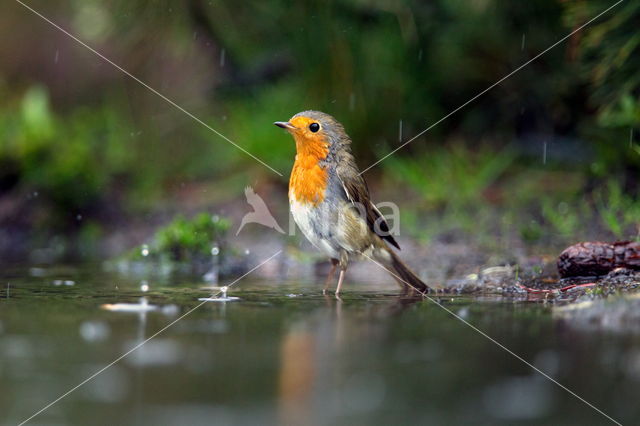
{"x": 609, "y": 54}
{"x": 71, "y": 158}
{"x": 90, "y": 140}
{"x": 609, "y": 58}
{"x": 617, "y": 210}
{"x": 197, "y": 245}
{"x": 454, "y": 176}
{"x": 185, "y": 239}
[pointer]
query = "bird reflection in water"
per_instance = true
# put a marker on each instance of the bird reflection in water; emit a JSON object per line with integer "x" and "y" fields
{"x": 313, "y": 353}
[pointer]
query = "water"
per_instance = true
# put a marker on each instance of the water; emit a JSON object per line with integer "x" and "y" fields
{"x": 284, "y": 354}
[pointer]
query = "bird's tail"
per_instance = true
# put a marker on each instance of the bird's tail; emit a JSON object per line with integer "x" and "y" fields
{"x": 405, "y": 276}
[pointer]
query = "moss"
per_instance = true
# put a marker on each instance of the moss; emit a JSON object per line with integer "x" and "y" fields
{"x": 184, "y": 240}
{"x": 191, "y": 245}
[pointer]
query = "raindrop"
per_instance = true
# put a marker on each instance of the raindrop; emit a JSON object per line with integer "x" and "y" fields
{"x": 630, "y": 137}
{"x": 211, "y": 276}
{"x": 215, "y": 218}
{"x": 37, "y": 272}
{"x": 400, "y": 131}
{"x": 68, "y": 283}
{"x": 94, "y": 331}
{"x": 79, "y": 217}
{"x": 55, "y": 59}
{"x": 220, "y": 297}
{"x": 352, "y": 101}
{"x": 544, "y": 153}
{"x": 170, "y": 310}
{"x": 548, "y": 361}
{"x": 522, "y": 47}
{"x": 144, "y": 286}
{"x": 464, "y": 313}
{"x": 155, "y": 353}
{"x": 215, "y": 251}
{"x": 145, "y": 250}
{"x": 420, "y": 56}
{"x": 563, "y": 208}
{"x": 247, "y": 252}
{"x": 108, "y": 388}
{"x": 223, "y": 54}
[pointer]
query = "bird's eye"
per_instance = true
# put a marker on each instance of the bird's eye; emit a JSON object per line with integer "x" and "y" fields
{"x": 314, "y": 127}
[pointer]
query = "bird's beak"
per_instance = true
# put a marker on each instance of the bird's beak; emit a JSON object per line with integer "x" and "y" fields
{"x": 285, "y": 125}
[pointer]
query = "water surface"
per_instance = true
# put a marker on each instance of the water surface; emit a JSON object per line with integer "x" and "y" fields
{"x": 285, "y": 354}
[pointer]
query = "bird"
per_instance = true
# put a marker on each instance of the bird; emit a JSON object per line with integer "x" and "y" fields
{"x": 330, "y": 203}
{"x": 260, "y": 213}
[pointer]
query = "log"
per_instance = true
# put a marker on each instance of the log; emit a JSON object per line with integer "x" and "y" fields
{"x": 595, "y": 258}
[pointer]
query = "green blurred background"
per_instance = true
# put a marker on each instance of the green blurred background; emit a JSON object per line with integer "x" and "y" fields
{"x": 550, "y": 154}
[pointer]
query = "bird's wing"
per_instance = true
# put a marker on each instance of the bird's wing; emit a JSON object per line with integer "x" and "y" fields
{"x": 357, "y": 192}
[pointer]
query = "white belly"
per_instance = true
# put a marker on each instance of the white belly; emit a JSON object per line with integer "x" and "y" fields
{"x": 315, "y": 222}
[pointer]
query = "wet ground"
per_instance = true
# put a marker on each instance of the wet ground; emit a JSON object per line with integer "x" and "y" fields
{"x": 284, "y": 354}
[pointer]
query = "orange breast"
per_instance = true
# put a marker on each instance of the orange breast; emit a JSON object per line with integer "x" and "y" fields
{"x": 308, "y": 180}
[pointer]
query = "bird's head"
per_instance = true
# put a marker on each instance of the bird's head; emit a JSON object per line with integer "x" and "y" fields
{"x": 315, "y": 133}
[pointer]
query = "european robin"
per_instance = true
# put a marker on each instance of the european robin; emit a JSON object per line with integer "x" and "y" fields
{"x": 330, "y": 202}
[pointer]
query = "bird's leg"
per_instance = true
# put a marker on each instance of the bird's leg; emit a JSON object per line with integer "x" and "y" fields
{"x": 344, "y": 259}
{"x": 334, "y": 264}
{"x": 340, "y": 279}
